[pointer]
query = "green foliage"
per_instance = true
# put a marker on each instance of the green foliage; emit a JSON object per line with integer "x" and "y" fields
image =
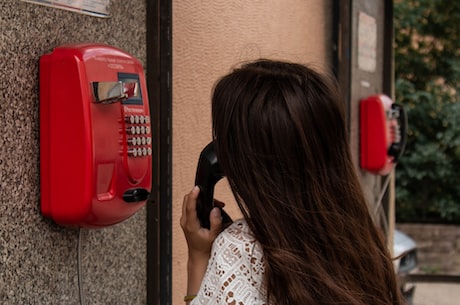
{"x": 427, "y": 38}
{"x": 427, "y": 61}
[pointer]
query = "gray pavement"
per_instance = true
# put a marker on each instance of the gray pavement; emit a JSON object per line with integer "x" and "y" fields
{"x": 437, "y": 293}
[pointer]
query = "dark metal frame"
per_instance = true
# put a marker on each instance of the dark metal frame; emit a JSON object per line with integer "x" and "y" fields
{"x": 159, "y": 208}
{"x": 342, "y": 49}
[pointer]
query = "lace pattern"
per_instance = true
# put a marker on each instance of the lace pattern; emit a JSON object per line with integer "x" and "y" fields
{"x": 234, "y": 275}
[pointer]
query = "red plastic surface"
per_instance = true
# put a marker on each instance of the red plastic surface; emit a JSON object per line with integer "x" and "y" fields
{"x": 85, "y": 167}
{"x": 374, "y": 134}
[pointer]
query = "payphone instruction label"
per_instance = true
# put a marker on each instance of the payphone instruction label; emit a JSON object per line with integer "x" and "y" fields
{"x": 367, "y": 42}
{"x": 98, "y": 8}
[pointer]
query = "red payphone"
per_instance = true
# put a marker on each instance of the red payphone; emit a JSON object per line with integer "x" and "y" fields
{"x": 382, "y": 133}
{"x": 95, "y": 135}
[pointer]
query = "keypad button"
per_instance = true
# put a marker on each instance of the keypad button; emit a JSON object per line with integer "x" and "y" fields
{"x": 147, "y": 119}
{"x": 133, "y": 152}
{"x": 132, "y": 141}
{"x": 131, "y": 130}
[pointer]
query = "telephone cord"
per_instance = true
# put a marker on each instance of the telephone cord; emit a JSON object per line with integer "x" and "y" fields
{"x": 79, "y": 263}
{"x": 379, "y": 207}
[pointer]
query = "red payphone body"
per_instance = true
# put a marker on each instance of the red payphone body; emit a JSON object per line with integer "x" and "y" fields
{"x": 95, "y": 135}
{"x": 382, "y": 133}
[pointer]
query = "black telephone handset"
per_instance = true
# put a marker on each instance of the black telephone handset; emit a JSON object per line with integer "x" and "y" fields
{"x": 397, "y": 148}
{"x": 208, "y": 173}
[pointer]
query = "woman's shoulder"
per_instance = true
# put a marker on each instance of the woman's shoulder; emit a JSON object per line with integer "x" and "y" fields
{"x": 235, "y": 270}
{"x": 237, "y": 239}
{"x": 238, "y": 231}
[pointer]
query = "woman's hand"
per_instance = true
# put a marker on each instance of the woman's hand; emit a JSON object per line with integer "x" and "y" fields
{"x": 199, "y": 239}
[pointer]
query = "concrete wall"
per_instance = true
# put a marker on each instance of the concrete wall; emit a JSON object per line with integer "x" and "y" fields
{"x": 209, "y": 37}
{"x": 438, "y": 247}
{"x": 38, "y": 259}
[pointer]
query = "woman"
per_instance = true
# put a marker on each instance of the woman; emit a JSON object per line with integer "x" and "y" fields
{"x": 307, "y": 236}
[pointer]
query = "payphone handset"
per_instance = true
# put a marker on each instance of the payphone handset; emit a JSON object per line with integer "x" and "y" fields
{"x": 208, "y": 173}
{"x": 383, "y": 126}
{"x": 95, "y": 135}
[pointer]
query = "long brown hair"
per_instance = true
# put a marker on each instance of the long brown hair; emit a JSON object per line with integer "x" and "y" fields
{"x": 281, "y": 139}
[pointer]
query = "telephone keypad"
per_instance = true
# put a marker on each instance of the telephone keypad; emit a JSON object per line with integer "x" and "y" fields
{"x": 138, "y": 136}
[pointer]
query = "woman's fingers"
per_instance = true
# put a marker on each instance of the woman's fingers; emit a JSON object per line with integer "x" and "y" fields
{"x": 215, "y": 220}
{"x": 189, "y": 219}
{"x": 199, "y": 239}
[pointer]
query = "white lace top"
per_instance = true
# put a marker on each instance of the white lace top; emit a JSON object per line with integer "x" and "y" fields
{"x": 234, "y": 275}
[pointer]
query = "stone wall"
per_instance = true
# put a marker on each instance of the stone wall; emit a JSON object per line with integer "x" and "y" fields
{"x": 38, "y": 259}
{"x": 438, "y": 247}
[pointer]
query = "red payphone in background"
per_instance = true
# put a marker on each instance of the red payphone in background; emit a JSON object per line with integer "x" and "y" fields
{"x": 95, "y": 135}
{"x": 383, "y": 127}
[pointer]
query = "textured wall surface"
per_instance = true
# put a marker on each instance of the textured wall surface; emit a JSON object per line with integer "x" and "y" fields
{"x": 438, "y": 247}
{"x": 209, "y": 37}
{"x": 38, "y": 259}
